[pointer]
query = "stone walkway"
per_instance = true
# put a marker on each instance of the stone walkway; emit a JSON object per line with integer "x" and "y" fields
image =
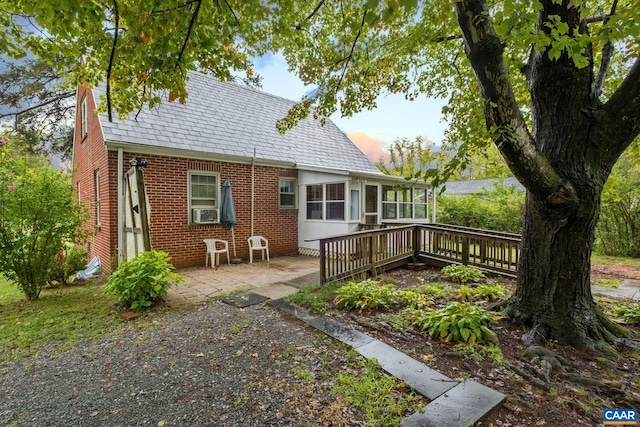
{"x": 629, "y": 288}
{"x": 276, "y": 279}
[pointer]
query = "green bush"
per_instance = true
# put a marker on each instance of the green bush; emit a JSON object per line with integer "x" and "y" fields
{"x": 38, "y": 216}
{"x": 629, "y": 313}
{"x": 462, "y": 273}
{"x": 500, "y": 209}
{"x": 456, "y": 322}
{"x": 618, "y": 229}
{"x": 489, "y": 292}
{"x": 143, "y": 280}
{"x": 69, "y": 262}
{"x": 367, "y": 295}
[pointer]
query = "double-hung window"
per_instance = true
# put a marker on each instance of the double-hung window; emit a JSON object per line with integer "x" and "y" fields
{"x": 326, "y": 201}
{"x": 315, "y": 197}
{"x": 421, "y": 203}
{"x": 287, "y": 193}
{"x": 335, "y": 201}
{"x": 83, "y": 118}
{"x": 204, "y": 188}
{"x": 389, "y": 203}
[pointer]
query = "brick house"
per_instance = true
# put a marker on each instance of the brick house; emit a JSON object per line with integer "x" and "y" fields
{"x": 309, "y": 183}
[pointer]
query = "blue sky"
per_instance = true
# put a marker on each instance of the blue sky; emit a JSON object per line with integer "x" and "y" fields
{"x": 372, "y": 131}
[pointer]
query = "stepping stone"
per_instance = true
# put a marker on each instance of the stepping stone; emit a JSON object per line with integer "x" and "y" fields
{"x": 245, "y": 299}
{"x": 463, "y": 405}
{"x": 420, "y": 377}
{"x": 275, "y": 291}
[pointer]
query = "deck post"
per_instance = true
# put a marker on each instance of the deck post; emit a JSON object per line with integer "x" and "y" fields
{"x": 465, "y": 250}
{"x": 323, "y": 263}
{"x": 373, "y": 251}
{"x": 416, "y": 242}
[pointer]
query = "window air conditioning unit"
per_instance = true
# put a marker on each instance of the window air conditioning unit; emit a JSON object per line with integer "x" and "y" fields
{"x": 204, "y": 216}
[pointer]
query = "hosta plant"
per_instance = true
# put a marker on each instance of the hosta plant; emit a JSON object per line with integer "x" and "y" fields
{"x": 456, "y": 322}
{"x": 143, "y": 280}
{"x": 462, "y": 273}
{"x": 367, "y": 295}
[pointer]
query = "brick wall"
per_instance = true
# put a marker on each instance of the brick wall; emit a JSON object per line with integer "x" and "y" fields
{"x": 166, "y": 181}
{"x": 90, "y": 154}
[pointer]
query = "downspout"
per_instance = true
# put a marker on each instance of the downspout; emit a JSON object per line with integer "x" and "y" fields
{"x": 120, "y": 249}
{"x": 253, "y": 187}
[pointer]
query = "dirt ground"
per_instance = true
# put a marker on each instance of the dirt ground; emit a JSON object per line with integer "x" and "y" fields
{"x": 572, "y": 393}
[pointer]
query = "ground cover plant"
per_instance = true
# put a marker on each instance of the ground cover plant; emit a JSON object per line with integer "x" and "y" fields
{"x": 547, "y": 384}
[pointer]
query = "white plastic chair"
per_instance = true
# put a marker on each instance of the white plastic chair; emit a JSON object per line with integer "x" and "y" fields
{"x": 216, "y": 247}
{"x": 258, "y": 243}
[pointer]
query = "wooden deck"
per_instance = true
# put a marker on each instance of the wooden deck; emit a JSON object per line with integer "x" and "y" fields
{"x": 368, "y": 253}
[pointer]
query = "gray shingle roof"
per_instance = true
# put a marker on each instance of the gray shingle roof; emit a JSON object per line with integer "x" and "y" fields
{"x": 230, "y": 120}
{"x": 475, "y": 186}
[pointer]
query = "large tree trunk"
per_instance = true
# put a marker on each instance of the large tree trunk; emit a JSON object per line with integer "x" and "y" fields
{"x": 563, "y": 162}
{"x": 553, "y": 296}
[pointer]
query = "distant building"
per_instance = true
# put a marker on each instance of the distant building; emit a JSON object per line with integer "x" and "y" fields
{"x": 476, "y": 186}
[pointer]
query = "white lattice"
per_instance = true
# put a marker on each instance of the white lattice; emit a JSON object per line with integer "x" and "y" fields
{"x": 309, "y": 252}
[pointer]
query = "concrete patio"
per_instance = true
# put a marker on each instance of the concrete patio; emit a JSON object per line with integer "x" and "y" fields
{"x": 280, "y": 277}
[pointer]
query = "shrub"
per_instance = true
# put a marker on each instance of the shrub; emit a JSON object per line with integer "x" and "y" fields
{"x": 629, "y": 313}
{"x": 69, "y": 262}
{"x": 498, "y": 209}
{"x": 38, "y": 216}
{"x": 462, "y": 273}
{"x": 456, "y": 322}
{"x": 367, "y": 295}
{"x": 143, "y": 280}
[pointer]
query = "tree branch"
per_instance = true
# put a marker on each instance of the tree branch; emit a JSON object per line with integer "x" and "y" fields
{"x": 180, "y": 6}
{"x": 607, "y": 53}
{"x": 503, "y": 117}
{"x": 232, "y": 12}
{"x": 192, "y": 23}
{"x": 620, "y": 119}
{"x": 112, "y": 58}
{"x": 353, "y": 47}
{"x": 42, "y": 104}
{"x": 311, "y": 15}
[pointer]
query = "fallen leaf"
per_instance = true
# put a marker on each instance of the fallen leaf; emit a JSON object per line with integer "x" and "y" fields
{"x": 254, "y": 355}
{"x": 160, "y": 423}
{"x": 200, "y": 355}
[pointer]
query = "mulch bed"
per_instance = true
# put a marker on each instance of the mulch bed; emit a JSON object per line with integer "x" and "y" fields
{"x": 571, "y": 393}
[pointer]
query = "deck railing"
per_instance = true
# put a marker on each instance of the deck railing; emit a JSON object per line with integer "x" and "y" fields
{"x": 368, "y": 253}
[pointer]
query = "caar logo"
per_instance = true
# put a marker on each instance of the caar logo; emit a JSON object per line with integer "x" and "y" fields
{"x": 619, "y": 417}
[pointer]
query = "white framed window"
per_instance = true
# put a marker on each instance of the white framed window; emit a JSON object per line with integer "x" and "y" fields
{"x": 83, "y": 117}
{"x": 354, "y": 205}
{"x": 326, "y": 201}
{"x": 406, "y": 203}
{"x": 389, "y": 203}
{"x": 315, "y": 197}
{"x": 96, "y": 176}
{"x": 335, "y": 202}
{"x": 204, "y": 191}
{"x": 287, "y": 193}
{"x": 421, "y": 203}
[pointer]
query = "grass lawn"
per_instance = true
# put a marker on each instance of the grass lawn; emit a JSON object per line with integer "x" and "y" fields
{"x": 601, "y": 259}
{"x": 61, "y": 318}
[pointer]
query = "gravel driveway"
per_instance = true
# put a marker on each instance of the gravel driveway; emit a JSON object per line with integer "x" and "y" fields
{"x": 215, "y": 365}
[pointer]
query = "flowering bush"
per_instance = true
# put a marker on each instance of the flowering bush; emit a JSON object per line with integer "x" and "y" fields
{"x": 37, "y": 216}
